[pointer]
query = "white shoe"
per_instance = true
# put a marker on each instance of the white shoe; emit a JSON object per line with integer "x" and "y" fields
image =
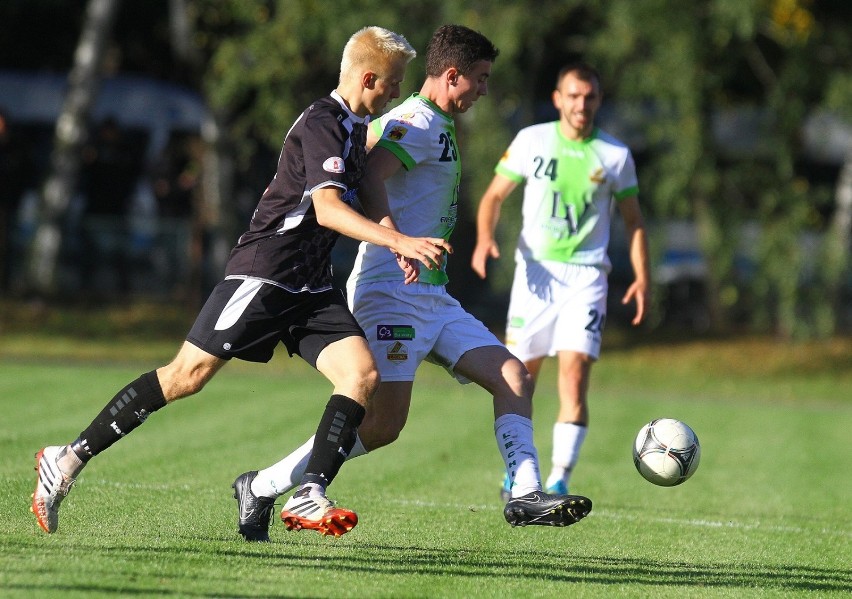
{"x": 51, "y": 488}
{"x": 317, "y": 512}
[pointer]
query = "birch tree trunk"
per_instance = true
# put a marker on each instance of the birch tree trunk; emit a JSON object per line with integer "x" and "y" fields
{"x": 840, "y": 242}
{"x": 71, "y": 132}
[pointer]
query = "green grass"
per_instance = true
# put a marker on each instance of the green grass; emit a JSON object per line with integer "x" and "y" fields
{"x": 768, "y": 513}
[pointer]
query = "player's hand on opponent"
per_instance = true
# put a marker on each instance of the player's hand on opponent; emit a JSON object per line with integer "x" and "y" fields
{"x": 481, "y": 253}
{"x": 427, "y": 250}
{"x": 410, "y": 268}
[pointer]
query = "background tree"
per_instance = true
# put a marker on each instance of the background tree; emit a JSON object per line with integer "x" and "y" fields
{"x": 697, "y": 63}
{"x": 71, "y": 133}
{"x": 713, "y": 95}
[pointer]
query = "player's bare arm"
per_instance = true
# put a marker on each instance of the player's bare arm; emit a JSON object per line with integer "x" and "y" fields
{"x": 381, "y": 165}
{"x": 335, "y": 214}
{"x": 640, "y": 290}
{"x": 486, "y": 223}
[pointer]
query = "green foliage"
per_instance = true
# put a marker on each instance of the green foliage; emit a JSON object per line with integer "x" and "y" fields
{"x": 676, "y": 70}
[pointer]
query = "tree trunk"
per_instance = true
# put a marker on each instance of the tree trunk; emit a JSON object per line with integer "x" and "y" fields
{"x": 840, "y": 239}
{"x": 71, "y": 132}
{"x": 213, "y": 229}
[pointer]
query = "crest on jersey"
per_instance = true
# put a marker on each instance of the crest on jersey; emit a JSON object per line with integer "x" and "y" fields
{"x": 333, "y": 165}
{"x": 598, "y": 176}
{"x": 397, "y": 132}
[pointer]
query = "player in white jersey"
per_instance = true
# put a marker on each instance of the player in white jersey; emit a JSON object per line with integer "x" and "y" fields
{"x": 415, "y": 165}
{"x": 572, "y": 174}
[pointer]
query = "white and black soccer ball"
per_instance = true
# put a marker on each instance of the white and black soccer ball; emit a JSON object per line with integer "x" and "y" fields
{"x": 666, "y": 452}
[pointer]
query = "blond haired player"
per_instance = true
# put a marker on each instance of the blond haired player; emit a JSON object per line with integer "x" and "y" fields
{"x": 278, "y": 289}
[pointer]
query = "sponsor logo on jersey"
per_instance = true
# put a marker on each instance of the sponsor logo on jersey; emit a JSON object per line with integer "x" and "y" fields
{"x": 598, "y": 176}
{"x": 333, "y": 165}
{"x": 397, "y": 352}
{"x": 392, "y": 332}
{"x": 397, "y": 132}
{"x": 516, "y": 322}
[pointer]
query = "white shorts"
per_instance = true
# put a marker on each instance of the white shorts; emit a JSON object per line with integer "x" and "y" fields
{"x": 554, "y": 307}
{"x": 406, "y": 324}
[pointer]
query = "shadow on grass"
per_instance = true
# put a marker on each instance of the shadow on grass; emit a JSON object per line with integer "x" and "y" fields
{"x": 389, "y": 560}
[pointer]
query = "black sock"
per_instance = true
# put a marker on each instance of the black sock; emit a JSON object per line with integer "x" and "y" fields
{"x": 127, "y": 410}
{"x": 334, "y": 439}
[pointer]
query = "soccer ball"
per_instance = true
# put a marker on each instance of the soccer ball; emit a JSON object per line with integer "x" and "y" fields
{"x": 666, "y": 452}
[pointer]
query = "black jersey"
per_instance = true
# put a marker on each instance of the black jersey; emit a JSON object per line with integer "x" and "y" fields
{"x": 285, "y": 244}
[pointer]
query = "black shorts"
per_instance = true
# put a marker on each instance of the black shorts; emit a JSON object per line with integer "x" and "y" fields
{"x": 246, "y": 319}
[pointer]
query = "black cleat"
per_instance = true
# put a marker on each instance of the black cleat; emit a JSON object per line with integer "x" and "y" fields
{"x": 539, "y": 508}
{"x": 255, "y": 512}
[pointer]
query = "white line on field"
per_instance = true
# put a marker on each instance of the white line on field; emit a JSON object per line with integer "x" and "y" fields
{"x": 597, "y": 513}
{"x": 620, "y": 515}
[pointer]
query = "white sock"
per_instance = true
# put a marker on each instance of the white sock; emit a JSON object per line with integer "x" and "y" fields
{"x": 278, "y": 479}
{"x": 69, "y": 463}
{"x": 567, "y": 440}
{"x": 514, "y": 435}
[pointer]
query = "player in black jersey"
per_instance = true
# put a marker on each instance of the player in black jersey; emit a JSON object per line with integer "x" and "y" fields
{"x": 278, "y": 289}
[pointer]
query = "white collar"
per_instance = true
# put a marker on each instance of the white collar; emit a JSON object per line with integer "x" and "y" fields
{"x": 352, "y": 115}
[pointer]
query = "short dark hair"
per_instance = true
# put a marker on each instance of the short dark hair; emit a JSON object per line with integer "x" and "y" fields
{"x": 457, "y": 46}
{"x": 582, "y": 70}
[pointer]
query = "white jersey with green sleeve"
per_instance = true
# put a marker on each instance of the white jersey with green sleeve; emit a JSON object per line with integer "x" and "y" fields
{"x": 569, "y": 189}
{"x": 423, "y": 195}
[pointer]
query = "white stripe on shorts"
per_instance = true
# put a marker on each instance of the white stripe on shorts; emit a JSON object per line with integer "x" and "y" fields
{"x": 237, "y": 304}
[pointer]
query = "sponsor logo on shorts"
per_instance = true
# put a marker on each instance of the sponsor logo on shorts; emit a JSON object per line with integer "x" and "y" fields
{"x": 397, "y": 352}
{"x": 333, "y": 165}
{"x": 516, "y": 322}
{"x": 392, "y": 332}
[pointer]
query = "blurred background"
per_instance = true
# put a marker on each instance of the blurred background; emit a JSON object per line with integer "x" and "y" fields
{"x": 136, "y": 138}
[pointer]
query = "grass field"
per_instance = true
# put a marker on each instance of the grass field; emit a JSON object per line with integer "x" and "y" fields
{"x": 768, "y": 513}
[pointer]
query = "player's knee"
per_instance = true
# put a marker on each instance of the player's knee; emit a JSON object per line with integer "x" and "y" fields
{"x": 519, "y": 378}
{"x": 378, "y": 437}
{"x": 360, "y": 382}
{"x": 371, "y": 380}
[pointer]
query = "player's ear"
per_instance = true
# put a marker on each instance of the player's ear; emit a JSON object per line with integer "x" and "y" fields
{"x": 452, "y": 75}
{"x": 368, "y": 79}
{"x": 557, "y": 99}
